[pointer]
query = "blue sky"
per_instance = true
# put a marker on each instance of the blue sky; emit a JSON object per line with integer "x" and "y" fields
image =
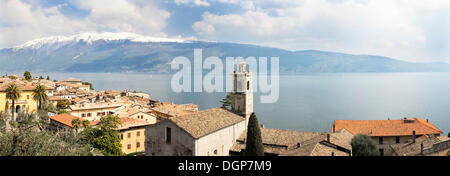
{"x": 411, "y": 30}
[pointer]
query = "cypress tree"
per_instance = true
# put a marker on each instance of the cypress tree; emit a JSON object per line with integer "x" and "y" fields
{"x": 254, "y": 146}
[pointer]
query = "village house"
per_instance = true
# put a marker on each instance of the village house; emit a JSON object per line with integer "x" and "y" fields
{"x": 24, "y": 103}
{"x": 137, "y": 114}
{"x": 132, "y": 135}
{"x": 73, "y": 81}
{"x": 64, "y": 122}
{"x": 387, "y": 132}
{"x": 93, "y": 111}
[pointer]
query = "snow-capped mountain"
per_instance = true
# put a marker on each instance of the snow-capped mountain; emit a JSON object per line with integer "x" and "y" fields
{"x": 127, "y": 52}
{"x": 89, "y": 38}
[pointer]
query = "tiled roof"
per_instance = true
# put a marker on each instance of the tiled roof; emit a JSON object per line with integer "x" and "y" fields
{"x": 131, "y": 122}
{"x": 320, "y": 146}
{"x": 403, "y": 127}
{"x": 66, "y": 119}
{"x": 22, "y": 86}
{"x": 173, "y": 109}
{"x": 201, "y": 123}
{"x": 413, "y": 148}
{"x": 277, "y": 141}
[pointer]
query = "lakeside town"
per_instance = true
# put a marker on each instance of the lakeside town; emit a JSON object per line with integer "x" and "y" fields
{"x": 145, "y": 126}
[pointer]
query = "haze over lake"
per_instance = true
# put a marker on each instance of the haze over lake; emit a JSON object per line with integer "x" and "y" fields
{"x": 311, "y": 102}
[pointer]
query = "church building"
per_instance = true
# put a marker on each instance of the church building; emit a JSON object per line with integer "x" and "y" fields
{"x": 210, "y": 132}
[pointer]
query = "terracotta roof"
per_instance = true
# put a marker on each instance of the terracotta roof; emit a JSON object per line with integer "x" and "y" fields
{"x": 66, "y": 119}
{"x": 22, "y": 86}
{"x": 403, "y": 127}
{"x": 201, "y": 123}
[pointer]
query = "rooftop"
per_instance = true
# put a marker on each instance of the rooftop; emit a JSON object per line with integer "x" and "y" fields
{"x": 131, "y": 122}
{"x": 66, "y": 119}
{"x": 402, "y": 127}
{"x": 201, "y": 123}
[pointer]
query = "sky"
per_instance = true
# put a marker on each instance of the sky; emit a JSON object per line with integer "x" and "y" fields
{"x": 410, "y": 30}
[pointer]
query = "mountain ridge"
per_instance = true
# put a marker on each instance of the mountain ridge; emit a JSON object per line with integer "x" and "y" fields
{"x": 128, "y": 52}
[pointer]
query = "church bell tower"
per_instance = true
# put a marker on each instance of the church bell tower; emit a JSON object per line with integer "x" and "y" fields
{"x": 242, "y": 94}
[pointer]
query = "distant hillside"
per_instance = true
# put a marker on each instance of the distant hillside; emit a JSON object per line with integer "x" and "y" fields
{"x": 133, "y": 53}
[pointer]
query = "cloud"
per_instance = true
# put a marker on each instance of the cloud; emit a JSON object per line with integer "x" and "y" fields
{"x": 412, "y": 30}
{"x": 20, "y": 21}
{"x": 193, "y": 2}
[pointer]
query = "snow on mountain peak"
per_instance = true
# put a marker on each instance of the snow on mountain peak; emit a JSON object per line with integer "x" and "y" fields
{"x": 58, "y": 41}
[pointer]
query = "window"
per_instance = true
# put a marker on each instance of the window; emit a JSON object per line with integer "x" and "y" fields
{"x": 121, "y": 136}
{"x": 381, "y": 152}
{"x": 89, "y": 114}
{"x": 138, "y": 144}
{"x": 215, "y": 152}
{"x": 397, "y": 139}
{"x": 248, "y": 85}
{"x": 129, "y": 135}
{"x": 138, "y": 133}
{"x": 28, "y": 97}
{"x": 83, "y": 115}
{"x": 99, "y": 113}
{"x": 129, "y": 146}
{"x": 380, "y": 140}
{"x": 103, "y": 113}
{"x": 168, "y": 135}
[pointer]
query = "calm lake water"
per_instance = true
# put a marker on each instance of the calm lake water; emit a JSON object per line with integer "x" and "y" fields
{"x": 312, "y": 102}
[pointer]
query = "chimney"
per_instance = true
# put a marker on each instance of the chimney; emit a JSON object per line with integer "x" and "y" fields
{"x": 414, "y": 136}
{"x": 262, "y": 125}
{"x": 298, "y": 145}
{"x": 448, "y": 135}
{"x": 328, "y": 137}
{"x": 421, "y": 149}
{"x": 427, "y": 120}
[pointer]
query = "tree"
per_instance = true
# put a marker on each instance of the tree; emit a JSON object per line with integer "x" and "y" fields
{"x": 40, "y": 95}
{"x": 40, "y": 77}
{"x": 63, "y": 104}
{"x": 63, "y": 111}
{"x": 363, "y": 145}
{"x": 27, "y": 76}
{"x": 226, "y": 102}
{"x": 76, "y": 123}
{"x": 26, "y": 138}
{"x": 253, "y": 145}
{"x": 108, "y": 139}
{"x": 85, "y": 123}
{"x": 48, "y": 77}
{"x": 13, "y": 93}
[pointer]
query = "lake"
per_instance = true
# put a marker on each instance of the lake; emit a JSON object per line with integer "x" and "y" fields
{"x": 311, "y": 102}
